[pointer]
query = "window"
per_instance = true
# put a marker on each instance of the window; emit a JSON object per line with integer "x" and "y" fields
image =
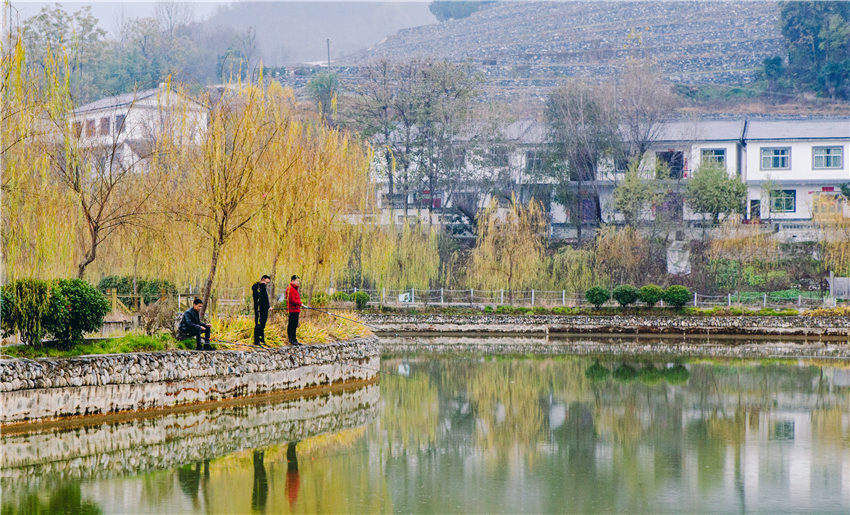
{"x": 783, "y": 201}
{"x": 119, "y": 122}
{"x": 104, "y": 126}
{"x": 90, "y": 129}
{"x": 535, "y": 160}
{"x": 776, "y": 158}
{"x": 78, "y": 128}
{"x": 715, "y": 156}
{"x": 500, "y": 156}
{"x": 827, "y": 157}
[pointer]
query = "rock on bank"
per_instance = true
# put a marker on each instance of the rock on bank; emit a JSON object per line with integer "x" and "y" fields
{"x": 87, "y": 385}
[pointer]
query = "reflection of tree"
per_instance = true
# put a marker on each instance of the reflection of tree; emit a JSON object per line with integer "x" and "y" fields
{"x": 260, "y": 489}
{"x": 65, "y": 498}
{"x": 410, "y": 410}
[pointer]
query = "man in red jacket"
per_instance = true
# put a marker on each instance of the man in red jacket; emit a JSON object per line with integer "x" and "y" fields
{"x": 293, "y": 307}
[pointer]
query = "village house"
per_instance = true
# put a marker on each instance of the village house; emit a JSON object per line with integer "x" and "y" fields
{"x": 787, "y": 165}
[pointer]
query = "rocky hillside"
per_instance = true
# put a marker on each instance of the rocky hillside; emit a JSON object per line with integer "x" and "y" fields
{"x": 524, "y": 44}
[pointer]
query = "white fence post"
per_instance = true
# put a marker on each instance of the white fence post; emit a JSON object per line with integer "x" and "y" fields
{"x": 532, "y": 298}
{"x": 441, "y": 296}
{"x": 764, "y": 304}
{"x": 412, "y": 295}
{"x": 563, "y": 297}
{"x": 502, "y": 296}
{"x": 695, "y": 299}
{"x": 383, "y": 294}
{"x": 471, "y": 296}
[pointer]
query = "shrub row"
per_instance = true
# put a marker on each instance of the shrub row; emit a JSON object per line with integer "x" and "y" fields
{"x": 64, "y": 309}
{"x": 625, "y": 295}
{"x": 149, "y": 289}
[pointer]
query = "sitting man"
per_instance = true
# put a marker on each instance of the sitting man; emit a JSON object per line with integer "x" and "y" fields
{"x": 191, "y": 326}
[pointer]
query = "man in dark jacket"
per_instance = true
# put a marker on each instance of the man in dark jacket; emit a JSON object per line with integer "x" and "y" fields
{"x": 261, "y": 309}
{"x": 191, "y": 325}
{"x": 293, "y": 307}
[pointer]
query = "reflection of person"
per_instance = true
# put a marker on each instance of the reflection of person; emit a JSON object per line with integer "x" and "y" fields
{"x": 260, "y": 491}
{"x": 191, "y": 326}
{"x": 292, "y": 478}
{"x": 261, "y": 308}
{"x": 293, "y": 306}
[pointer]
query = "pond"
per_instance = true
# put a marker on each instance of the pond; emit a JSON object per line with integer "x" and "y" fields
{"x": 465, "y": 433}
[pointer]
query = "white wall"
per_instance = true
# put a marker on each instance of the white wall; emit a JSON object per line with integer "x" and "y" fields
{"x": 801, "y": 162}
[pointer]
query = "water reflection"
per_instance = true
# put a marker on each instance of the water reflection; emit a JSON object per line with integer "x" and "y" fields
{"x": 472, "y": 434}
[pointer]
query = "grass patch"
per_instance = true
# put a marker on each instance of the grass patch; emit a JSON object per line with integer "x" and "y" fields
{"x": 131, "y": 342}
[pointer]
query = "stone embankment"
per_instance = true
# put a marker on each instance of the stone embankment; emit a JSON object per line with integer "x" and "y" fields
{"x": 554, "y": 325}
{"x": 59, "y": 387}
{"x": 172, "y": 439}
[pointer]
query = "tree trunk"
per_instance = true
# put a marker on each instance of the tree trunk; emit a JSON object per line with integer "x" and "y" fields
{"x": 205, "y": 295}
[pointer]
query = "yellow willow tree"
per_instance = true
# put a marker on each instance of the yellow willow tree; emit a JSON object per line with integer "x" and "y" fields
{"x": 37, "y": 217}
{"x": 400, "y": 258}
{"x": 509, "y": 250}
{"x": 832, "y": 218}
{"x": 221, "y": 177}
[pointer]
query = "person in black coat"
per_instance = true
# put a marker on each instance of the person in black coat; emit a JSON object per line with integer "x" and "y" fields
{"x": 261, "y": 309}
{"x": 191, "y": 326}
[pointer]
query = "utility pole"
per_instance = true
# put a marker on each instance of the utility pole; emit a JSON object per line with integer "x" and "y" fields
{"x": 328, "y": 44}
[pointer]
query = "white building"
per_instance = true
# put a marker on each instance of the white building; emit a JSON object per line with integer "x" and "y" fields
{"x": 127, "y": 126}
{"x": 786, "y": 165}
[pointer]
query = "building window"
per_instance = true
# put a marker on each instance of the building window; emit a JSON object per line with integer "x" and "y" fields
{"x": 500, "y": 156}
{"x": 104, "y": 126}
{"x": 828, "y": 157}
{"x": 715, "y": 156}
{"x": 78, "y": 129}
{"x": 776, "y": 158}
{"x": 119, "y": 122}
{"x": 783, "y": 201}
{"x": 90, "y": 129}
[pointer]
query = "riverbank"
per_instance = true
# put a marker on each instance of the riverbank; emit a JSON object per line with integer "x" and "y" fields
{"x": 49, "y": 388}
{"x": 564, "y": 325}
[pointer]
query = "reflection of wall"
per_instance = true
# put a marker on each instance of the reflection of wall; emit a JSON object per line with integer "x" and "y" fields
{"x": 45, "y": 388}
{"x": 174, "y": 439}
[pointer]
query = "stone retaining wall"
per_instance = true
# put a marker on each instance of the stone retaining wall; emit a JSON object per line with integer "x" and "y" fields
{"x": 172, "y": 439}
{"x": 87, "y": 385}
{"x": 612, "y": 324}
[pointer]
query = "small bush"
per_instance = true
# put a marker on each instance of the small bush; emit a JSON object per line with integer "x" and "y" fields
{"x": 85, "y": 310}
{"x": 677, "y": 295}
{"x": 539, "y": 310}
{"x": 625, "y": 294}
{"x": 320, "y": 299}
{"x": 341, "y": 296}
{"x": 650, "y": 294}
{"x": 597, "y": 295}
{"x": 361, "y": 300}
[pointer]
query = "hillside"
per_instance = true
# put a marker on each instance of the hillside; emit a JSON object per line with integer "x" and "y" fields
{"x": 528, "y": 45}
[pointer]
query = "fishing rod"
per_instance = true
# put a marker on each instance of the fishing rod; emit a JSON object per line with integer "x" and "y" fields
{"x": 372, "y": 327}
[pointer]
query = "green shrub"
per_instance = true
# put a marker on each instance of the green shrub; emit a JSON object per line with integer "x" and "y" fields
{"x": 650, "y": 294}
{"x": 678, "y": 295}
{"x": 361, "y": 300}
{"x": 539, "y": 310}
{"x": 86, "y": 307}
{"x": 676, "y": 374}
{"x": 597, "y": 295}
{"x": 26, "y": 305}
{"x": 625, "y": 294}
{"x": 341, "y": 296}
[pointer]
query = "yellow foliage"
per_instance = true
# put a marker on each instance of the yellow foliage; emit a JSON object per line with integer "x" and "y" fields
{"x": 238, "y": 330}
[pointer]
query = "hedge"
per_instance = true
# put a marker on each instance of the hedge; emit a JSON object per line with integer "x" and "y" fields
{"x": 625, "y": 294}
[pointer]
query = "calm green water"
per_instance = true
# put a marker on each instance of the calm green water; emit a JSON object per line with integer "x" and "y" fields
{"x": 461, "y": 434}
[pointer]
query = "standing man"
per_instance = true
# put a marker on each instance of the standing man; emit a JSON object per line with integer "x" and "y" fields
{"x": 261, "y": 309}
{"x": 191, "y": 325}
{"x": 293, "y": 306}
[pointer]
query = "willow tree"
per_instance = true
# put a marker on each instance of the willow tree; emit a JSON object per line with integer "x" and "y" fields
{"x": 832, "y": 218}
{"x": 222, "y": 175}
{"x": 401, "y": 258}
{"x": 509, "y": 250}
{"x": 38, "y": 237}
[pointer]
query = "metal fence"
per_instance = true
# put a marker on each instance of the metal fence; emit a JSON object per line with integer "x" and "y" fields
{"x": 563, "y": 298}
